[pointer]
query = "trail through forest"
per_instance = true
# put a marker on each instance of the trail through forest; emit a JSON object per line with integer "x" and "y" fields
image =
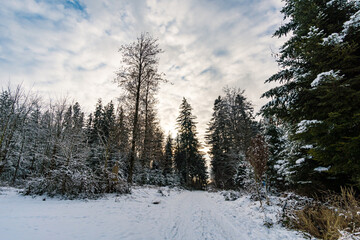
{"x": 145, "y": 214}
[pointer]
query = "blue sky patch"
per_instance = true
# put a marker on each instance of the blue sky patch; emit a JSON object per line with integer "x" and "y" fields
{"x": 30, "y": 17}
{"x": 221, "y": 52}
{"x": 210, "y": 70}
{"x": 99, "y": 66}
{"x": 75, "y": 5}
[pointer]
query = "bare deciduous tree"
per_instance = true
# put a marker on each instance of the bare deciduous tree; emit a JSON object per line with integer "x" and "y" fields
{"x": 140, "y": 60}
{"x": 258, "y": 155}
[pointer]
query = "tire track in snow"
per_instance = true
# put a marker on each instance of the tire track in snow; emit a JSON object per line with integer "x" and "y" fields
{"x": 194, "y": 215}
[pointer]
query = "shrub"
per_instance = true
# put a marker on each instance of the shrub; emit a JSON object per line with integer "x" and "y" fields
{"x": 335, "y": 216}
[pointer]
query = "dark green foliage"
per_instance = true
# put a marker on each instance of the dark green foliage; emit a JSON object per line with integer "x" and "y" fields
{"x": 277, "y": 164}
{"x": 229, "y": 134}
{"x": 168, "y": 157}
{"x": 324, "y": 46}
{"x": 223, "y": 156}
{"x": 189, "y": 161}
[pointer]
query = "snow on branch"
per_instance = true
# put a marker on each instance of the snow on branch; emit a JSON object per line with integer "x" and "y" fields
{"x": 324, "y": 76}
{"x": 354, "y": 22}
{"x": 304, "y": 124}
{"x": 321, "y": 169}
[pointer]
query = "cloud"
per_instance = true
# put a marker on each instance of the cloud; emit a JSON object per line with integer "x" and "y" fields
{"x": 71, "y": 47}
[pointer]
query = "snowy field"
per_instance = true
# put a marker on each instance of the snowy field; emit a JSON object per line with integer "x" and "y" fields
{"x": 178, "y": 215}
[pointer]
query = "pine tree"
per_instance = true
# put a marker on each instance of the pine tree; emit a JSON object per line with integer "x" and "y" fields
{"x": 277, "y": 165}
{"x": 219, "y": 138}
{"x": 319, "y": 92}
{"x": 190, "y": 163}
{"x": 94, "y": 132}
{"x": 230, "y": 131}
{"x": 168, "y": 156}
{"x": 179, "y": 156}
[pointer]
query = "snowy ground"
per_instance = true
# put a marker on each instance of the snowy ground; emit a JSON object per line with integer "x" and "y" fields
{"x": 178, "y": 215}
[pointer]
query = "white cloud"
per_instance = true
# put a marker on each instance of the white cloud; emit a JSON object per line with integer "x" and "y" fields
{"x": 208, "y": 44}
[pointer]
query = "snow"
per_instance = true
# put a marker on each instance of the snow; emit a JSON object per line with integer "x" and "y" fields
{"x": 330, "y": 3}
{"x": 333, "y": 39}
{"x": 304, "y": 124}
{"x": 313, "y": 32}
{"x": 178, "y": 215}
{"x": 323, "y": 76}
{"x": 321, "y": 169}
{"x": 308, "y": 146}
{"x": 354, "y": 22}
{"x": 300, "y": 161}
{"x": 338, "y": 38}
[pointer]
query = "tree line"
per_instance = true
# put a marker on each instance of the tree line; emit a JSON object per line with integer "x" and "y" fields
{"x": 57, "y": 150}
{"x": 306, "y": 137}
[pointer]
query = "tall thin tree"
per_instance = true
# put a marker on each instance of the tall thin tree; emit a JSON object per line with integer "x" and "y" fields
{"x": 139, "y": 59}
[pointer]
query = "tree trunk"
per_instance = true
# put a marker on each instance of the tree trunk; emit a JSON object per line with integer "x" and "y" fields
{"x": 146, "y": 142}
{"x": 258, "y": 187}
{"x": 134, "y": 132}
{"x": 18, "y": 162}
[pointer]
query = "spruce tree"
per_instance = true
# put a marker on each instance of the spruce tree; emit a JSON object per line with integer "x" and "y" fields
{"x": 319, "y": 92}
{"x": 219, "y": 138}
{"x": 189, "y": 161}
{"x": 230, "y": 130}
{"x": 168, "y": 156}
{"x": 277, "y": 165}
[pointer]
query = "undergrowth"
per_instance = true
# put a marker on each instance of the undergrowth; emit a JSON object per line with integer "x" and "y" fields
{"x": 336, "y": 216}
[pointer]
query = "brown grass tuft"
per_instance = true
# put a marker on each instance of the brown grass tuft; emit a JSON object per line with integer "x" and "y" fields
{"x": 326, "y": 219}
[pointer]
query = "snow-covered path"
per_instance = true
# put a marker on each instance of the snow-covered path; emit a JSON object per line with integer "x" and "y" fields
{"x": 179, "y": 215}
{"x": 197, "y": 216}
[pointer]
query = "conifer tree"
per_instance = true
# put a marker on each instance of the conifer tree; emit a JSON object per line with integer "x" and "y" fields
{"x": 230, "y": 131}
{"x": 168, "y": 156}
{"x": 94, "y": 130}
{"x": 219, "y": 138}
{"x": 319, "y": 92}
{"x": 189, "y": 161}
{"x": 277, "y": 166}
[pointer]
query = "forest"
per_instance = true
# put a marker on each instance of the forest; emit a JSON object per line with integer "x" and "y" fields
{"x": 306, "y": 139}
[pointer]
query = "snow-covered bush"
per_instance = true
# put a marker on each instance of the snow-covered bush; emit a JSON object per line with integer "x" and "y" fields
{"x": 71, "y": 186}
{"x": 230, "y": 195}
{"x": 67, "y": 186}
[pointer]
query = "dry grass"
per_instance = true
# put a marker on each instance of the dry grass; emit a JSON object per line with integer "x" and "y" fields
{"x": 326, "y": 219}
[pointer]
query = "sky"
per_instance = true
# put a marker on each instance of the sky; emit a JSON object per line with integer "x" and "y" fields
{"x": 70, "y": 48}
